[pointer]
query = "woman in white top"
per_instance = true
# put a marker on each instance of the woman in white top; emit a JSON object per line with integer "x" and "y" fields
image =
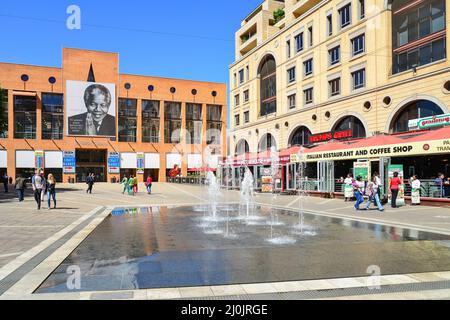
{"x": 415, "y": 191}
{"x": 348, "y": 188}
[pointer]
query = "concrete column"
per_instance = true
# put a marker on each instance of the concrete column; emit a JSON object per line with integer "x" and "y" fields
{"x": 11, "y": 153}
{"x": 162, "y": 154}
{"x": 184, "y": 149}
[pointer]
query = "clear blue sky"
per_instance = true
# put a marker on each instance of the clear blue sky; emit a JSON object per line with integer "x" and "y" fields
{"x": 179, "y": 38}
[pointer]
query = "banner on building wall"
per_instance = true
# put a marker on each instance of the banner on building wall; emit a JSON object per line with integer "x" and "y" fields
{"x": 113, "y": 162}
{"x": 69, "y": 162}
{"x": 430, "y": 122}
{"x": 91, "y": 109}
{"x": 140, "y": 165}
{"x": 362, "y": 169}
{"x": 401, "y": 189}
{"x": 39, "y": 159}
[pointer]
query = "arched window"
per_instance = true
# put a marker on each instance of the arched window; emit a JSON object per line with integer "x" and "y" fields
{"x": 351, "y": 123}
{"x": 266, "y": 143}
{"x": 268, "y": 85}
{"x": 414, "y": 110}
{"x": 242, "y": 147}
{"x": 300, "y": 137}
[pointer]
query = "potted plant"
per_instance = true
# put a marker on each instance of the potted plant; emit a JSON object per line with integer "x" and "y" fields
{"x": 278, "y": 15}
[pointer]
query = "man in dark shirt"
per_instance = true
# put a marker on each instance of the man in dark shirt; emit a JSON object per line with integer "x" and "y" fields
{"x": 96, "y": 121}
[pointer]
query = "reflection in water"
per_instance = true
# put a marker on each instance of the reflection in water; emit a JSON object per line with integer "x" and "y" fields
{"x": 159, "y": 247}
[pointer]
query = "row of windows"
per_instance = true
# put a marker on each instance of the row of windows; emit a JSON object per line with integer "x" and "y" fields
{"x": 25, "y": 121}
{"x": 237, "y": 120}
{"x": 243, "y": 74}
{"x": 237, "y": 98}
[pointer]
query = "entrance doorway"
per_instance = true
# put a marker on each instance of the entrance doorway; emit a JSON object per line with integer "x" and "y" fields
{"x": 90, "y": 161}
{"x": 154, "y": 173}
{"x": 127, "y": 173}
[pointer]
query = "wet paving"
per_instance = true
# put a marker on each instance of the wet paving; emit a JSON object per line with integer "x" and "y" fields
{"x": 161, "y": 247}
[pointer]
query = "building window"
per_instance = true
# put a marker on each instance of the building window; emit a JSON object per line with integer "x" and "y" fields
{"x": 266, "y": 143}
{"x": 299, "y": 42}
{"x": 351, "y": 123}
{"x": 345, "y": 15}
{"x": 334, "y": 87}
{"x": 414, "y": 110}
{"x": 330, "y": 24}
{"x": 241, "y": 76}
{"x": 194, "y": 123}
{"x": 247, "y": 71}
{"x": 172, "y": 122}
{"x": 24, "y": 117}
{"x": 359, "y": 79}
{"x": 3, "y": 113}
{"x": 236, "y": 120}
{"x": 214, "y": 124}
{"x": 291, "y": 75}
{"x": 242, "y": 147}
{"x": 268, "y": 86}
{"x": 300, "y": 137}
{"x": 361, "y": 9}
{"x": 127, "y": 120}
{"x": 288, "y": 49}
{"x": 308, "y": 67}
{"x": 246, "y": 96}
{"x": 291, "y": 101}
{"x": 310, "y": 36}
{"x": 236, "y": 100}
{"x": 334, "y": 55}
{"x": 308, "y": 96}
{"x": 418, "y": 34}
{"x": 246, "y": 117}
{"x": 150, "y": 121}
{"x": 235, "y": 79}
{"x": 358, "y": 44}
{"x": 52, "y": 116}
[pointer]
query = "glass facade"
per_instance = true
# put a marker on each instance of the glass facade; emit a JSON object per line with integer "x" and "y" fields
{"x": 150, "y": 121}
{"x": 415, "y": 110}
{"x": 127, "y": 120}
{"x": 24, "y": 117}
{"x": 214, "y": 124}
{"x": 172, "y": 122}
{"x": 351, "y": 123}
{"x": 418, "y": 34}
{"x": 194, "y": 123}
{"x": 300, "y": 137}
{"x": 52, "y": 116}
{"x": 4, "y": 115}
{"x": 268, "y": 86}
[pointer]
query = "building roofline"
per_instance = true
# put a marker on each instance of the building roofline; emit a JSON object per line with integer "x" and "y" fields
{"x": 171, "y": 78}
{"x": 29, "y": 65}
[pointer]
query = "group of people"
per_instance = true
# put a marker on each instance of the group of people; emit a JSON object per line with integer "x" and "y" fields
{"x": 443, "y": 185}
{"x": 130, "y": 185}
{"x": 358, "y": 188}
{"x": 40, "y": 185}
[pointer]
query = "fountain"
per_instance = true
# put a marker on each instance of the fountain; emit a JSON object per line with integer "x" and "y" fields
{"x": 247, "y": 190}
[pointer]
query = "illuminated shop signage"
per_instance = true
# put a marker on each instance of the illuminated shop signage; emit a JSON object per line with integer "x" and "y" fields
{"x": 430, "y": 122}
{"x": 327, "y": 136}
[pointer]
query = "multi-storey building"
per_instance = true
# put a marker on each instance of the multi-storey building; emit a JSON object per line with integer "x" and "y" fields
{"x": 355, "y": 68}
{"x": 87, "y": 117}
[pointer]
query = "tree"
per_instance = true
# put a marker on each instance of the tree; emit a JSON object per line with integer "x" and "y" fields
{"x": 3, "y": 114}
{"x": 278, "y": 14}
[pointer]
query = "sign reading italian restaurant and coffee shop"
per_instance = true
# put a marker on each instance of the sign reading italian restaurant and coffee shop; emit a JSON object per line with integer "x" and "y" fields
{"x": 430, "y": 122}
{"x": 331, "y": 135}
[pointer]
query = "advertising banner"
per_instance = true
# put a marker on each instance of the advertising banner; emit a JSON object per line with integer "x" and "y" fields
{"x": 69, "y": 162}
{"x": 362, "y": 169}
{"x": 140, "y": 165}
{"x": 430, "y": 122}
{"x": 113, "y": 162}
{"x": 39, "y": 159}
{"x": 91, "y": 109}
{"x": 401, "y": 192}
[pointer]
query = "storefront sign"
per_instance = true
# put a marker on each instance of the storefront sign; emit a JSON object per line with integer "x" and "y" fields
{"x": 140, "y": 166}
{"x": 327, "y": 136}
{"x": 430, "y": 122}
{"x": 362, "y": 169}
{"x": 401, "y": 189}
{"x": 39, "y": 159}
{"x": 259, "y": 161}
{"x": 69, "y": 161}
{"x": 113, "y": 162}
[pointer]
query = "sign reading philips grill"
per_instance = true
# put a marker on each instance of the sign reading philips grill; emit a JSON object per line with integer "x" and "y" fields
{"x": 430, "y": 122}
{"x": 327, "y": 136}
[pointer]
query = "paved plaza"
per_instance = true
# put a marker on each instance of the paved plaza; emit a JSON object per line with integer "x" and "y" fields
{"x": 34, "y": 242}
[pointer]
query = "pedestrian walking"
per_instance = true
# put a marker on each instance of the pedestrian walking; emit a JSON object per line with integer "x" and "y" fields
{"x": 348, "y": 187}
{"x": 125, "y": 184}
{"x": 415, "y": 190}
{"x": 394, "y": 187}
{"x": 38, "y": 184}
{"x": 358, "y": 187}
{"x": 439, "y": 182}
{"x": 90, "y": 180}
{"x": 135, "y": 185}
{"x": 5, "y": 181}
{"x": 43, "y": 189}
{"x": 131, "y": 185}
{"x": 51, "y": 190}
{"x": 148, "y": 184}
{"x": 20, "y": 186}
{"x": 372, "y": 191}
{"x": 447, "y": 187}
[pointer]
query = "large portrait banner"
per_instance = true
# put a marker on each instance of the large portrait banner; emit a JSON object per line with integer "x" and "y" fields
{"x": 91, "y": 109}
